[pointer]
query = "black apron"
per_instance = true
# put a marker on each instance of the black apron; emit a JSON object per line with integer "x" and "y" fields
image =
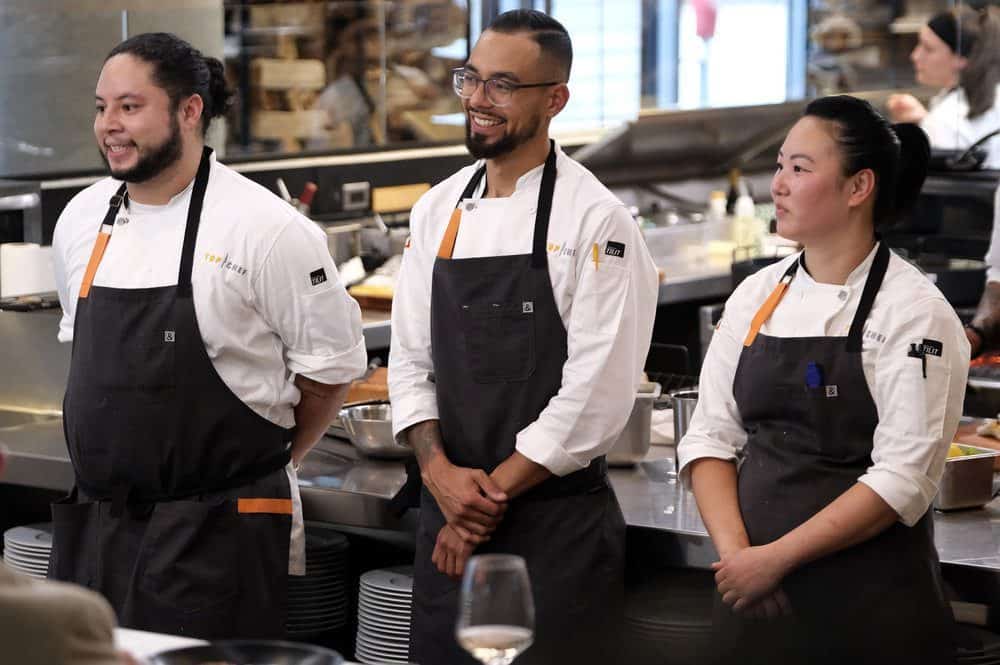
{"x": 181, "y": 514}
{"x": 499, "y": 346}
{"x": 810, "y": 420}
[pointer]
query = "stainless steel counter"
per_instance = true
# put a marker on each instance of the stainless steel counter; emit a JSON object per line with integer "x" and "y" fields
{"x": 341, "y": 486}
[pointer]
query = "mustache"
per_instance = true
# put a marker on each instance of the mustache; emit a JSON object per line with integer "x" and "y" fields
{"x": 486, "y": 113}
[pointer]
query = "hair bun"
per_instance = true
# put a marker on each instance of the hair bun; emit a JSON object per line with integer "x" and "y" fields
{"x": 221, "y": 95}
{"x": 914, "y": 155}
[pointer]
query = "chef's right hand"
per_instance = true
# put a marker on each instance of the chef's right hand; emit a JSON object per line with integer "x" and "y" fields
{"x": 905, "y": 108}
{"x": 770, "y": 607}
{"x": 468, "y": 498}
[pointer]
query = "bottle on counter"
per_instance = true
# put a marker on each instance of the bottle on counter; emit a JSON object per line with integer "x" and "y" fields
{"x": 748, "y": 230}
{"x": 716, "y": 211}
{"x": 738, "y": 187}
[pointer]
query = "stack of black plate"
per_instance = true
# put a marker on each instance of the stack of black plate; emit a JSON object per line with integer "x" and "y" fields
{"x": 319, "y": 601}
{"x": 669, "y": 619}
{"x": 977, "y": 646}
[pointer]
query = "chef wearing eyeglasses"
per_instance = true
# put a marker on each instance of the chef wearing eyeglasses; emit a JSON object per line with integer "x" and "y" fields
{"x": 522, "y": 319}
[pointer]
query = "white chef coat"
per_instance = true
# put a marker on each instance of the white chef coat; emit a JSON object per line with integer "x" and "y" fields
{"x": 607, "y": 308}
{"x": 262, "y": 318}
{"x": 917, "y": 416}
{"x": 993, "y": 255}
{"x": 948, "y": 126}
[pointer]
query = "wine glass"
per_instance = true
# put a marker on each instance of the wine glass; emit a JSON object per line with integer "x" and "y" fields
{"x": 496, "y": 616}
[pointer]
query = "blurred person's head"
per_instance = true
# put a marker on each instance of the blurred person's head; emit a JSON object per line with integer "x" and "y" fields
{"x": 961, "y": 48}
{"x": 155, "y": 98}
{"x": 842, "y": 163}
{"x": 526, "y": 57}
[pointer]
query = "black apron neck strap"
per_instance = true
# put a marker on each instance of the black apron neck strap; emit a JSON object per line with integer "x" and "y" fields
{"x": 470, "y": 189}
{"x": 193, "y": 220}
{"x": 872, "y": 285}
{"x": 115, "y": 204}
{"x": 539, "y": 255}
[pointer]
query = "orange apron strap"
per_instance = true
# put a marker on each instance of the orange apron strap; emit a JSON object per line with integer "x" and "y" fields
{"x": 268, "y": 506}
{"x": 450, "y": 234}
{"x": 765, "y": 311}
{"x": 96, "y": 255}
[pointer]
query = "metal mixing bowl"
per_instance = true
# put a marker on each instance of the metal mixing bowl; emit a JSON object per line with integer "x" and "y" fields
{"x": 369, "y": 426}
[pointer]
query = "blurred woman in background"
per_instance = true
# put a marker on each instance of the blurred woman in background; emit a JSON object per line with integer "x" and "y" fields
{"x": 959, "y": 52}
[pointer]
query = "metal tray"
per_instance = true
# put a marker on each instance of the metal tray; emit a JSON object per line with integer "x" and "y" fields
{"x": 967, "y": 481}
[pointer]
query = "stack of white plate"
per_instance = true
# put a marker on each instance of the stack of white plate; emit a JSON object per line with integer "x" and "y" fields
{"x": 319, "y": 601}
{"x": 384, "y": 605}
{"x": 26, "y": 549}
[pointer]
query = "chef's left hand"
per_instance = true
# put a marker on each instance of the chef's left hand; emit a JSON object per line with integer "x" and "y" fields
{"x": 748, "y": 575}
{"x": 451, "y": 552}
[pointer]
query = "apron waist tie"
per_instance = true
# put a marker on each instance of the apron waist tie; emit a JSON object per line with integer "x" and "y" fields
{"x": 122, "y": 496}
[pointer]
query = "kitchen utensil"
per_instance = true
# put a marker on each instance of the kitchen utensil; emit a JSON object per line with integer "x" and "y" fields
{"x": 245, "y": 652}
{"x": 633, "y": 443}
{"x": 967, "y": 481}
{"x": 369, "y": 427}
{"x": 496, "y": 619}
{"x": 306, "y": 197}
{"x": 684, "y": 403}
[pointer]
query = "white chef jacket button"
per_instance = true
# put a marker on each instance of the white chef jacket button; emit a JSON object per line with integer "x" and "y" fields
{"x": 470, "y": 206}
{"x": 842, "y": 295}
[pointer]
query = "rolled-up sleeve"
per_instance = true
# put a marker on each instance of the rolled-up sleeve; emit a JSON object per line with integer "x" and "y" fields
{"x": 411, "y": 388}
{"x": 299, "y": 293}
{"x": 918, "y": 416}
{"x": 610, "y": 326}
{"x": 716, "y": 429}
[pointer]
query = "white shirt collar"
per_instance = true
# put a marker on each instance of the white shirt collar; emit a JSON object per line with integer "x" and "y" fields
{"x": 856, "y": 278}
{"x": 528, "y": 180}
{"x": 135, "y": 206}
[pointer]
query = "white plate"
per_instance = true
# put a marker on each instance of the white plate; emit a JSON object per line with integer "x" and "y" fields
{"x": 383, "y": 650}
{"x": 385, "y": 596}
{"x": 388, "y": 623}
{"x": 398, "y": 579}
{"x": 17, "y": 565}
{"x": 31, "y": 535}
{"x": 24, "y": 549}
{"x": 387, "y": 641}
{"x": 377, "y": 609}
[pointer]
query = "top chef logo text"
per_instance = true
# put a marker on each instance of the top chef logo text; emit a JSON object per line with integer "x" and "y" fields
{"x": 563, "y": 249}
{"x": 224, "y": 263}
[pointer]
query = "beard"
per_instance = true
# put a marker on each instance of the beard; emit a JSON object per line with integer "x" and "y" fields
{"x": 480, "y": 149}
{"x": 151, "y": 163}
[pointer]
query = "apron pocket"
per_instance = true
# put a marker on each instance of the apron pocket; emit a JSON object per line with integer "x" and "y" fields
{"x": 74, "y": 527}
{"x": 500, "y": 341}
{"x": 190, "y": 551}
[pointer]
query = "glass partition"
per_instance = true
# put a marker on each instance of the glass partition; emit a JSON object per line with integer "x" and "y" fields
{"x": 322, "y": 76}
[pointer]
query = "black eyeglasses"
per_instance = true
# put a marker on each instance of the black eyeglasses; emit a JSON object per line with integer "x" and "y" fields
{"x": 498, "y": 91}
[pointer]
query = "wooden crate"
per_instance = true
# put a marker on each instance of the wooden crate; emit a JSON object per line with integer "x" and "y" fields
{"x": 275, "y": 74}
{"x": 299, "y": 14}
{"x": 289, "y": 124}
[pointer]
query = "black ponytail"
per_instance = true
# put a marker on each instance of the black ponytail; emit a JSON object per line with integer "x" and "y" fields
{"x": 896, "y": 154}
{"x": 181, "y": 70}
{"x": 914, "y": 155}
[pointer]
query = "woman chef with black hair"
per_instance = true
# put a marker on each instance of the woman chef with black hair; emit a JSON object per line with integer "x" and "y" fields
{"x": 840, "y": 373}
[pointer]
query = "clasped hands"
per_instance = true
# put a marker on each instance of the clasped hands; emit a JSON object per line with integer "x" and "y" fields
{"x": 749, "y": 579}
{"x": 472, "y": 505}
